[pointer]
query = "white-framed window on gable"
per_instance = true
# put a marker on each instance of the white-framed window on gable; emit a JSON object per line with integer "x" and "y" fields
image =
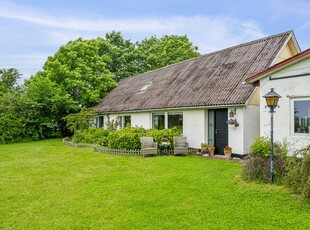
{"x": 125, "y": 121}
{"x": 99, "y": 121}
{"x": 301, "y": 116}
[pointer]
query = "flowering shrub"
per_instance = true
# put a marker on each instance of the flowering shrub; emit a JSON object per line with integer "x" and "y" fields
{"x": 164, "y": 139}
{"x": 227, "y": 148}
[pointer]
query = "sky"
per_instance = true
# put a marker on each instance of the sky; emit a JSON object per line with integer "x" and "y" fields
{"x": 32, "y": 30}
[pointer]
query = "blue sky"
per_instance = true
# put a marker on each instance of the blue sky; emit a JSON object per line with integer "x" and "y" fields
{"x": 32, "y": 30}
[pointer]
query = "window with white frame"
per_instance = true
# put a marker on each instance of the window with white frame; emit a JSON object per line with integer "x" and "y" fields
{"x": 99, "y": 121}
{"x": 302, "y": 116}
{"x": 167, "y": 120}
{"x": 175, "y": 120}
{"x": 125, "y": 121}
{"x": 158, "y": 120}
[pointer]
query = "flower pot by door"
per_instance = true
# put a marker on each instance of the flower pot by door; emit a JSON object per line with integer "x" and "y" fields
{"x": 211, "y": 152}
{"x": 227, "y": 154}
{"x": 204, "y": 149}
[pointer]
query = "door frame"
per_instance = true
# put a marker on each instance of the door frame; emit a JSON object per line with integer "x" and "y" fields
{"x": 213, "y": 124}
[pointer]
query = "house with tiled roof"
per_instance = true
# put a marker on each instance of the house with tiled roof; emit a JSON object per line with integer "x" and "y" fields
{"x": 201, "y": 94}
{"x": 291, "y": 80}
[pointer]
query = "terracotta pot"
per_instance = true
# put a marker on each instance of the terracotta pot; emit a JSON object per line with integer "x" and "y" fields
{"x": 204, "y": 149}
{"x": 211, "y": 152}
{"x": 227, "y": 154}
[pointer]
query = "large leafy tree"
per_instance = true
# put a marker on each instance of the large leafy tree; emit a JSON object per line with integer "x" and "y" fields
{"x": 12, "y": 116}
{"x": 120, "y": 54}
{"x": 46, "y": 105}
{"x": 8, "y": 79}
{"x": 80, "y": 71}
{"x": 154, "y": 53}
{"x": 125, "y": 58}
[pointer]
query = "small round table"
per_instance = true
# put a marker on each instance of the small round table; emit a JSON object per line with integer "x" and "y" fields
{"x": 164, "y": 148}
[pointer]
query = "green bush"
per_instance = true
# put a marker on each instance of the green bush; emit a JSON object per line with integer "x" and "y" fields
{"x": 261, "y": 146}
{"x": 129, "y": 138}
{"x": 91, "y": 136}
{"x": 168, "y": 133}
{"x": 257, "y": 166}
{"x": 298, "y": 176}
{"x": 126, "y": 138}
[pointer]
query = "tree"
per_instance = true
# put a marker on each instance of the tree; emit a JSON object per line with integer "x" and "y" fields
{"x": 154, "y": 53}
{"x": 121, "y": 55}
{"x": 81, "y": 120}
{"x": 46, "y": 105}
{"x": 12, "y": 116}
{"x": 80, "y": 71}
{"x": 8, "y": 79}
{"x": 125, "y": 58}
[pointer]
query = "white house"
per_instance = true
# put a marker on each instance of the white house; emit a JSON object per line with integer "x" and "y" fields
{"x": 291, "y": 80}
{"x": 201, "y": 94}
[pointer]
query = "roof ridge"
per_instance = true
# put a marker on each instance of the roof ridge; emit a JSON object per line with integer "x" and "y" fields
{"x": 215, "y": 52}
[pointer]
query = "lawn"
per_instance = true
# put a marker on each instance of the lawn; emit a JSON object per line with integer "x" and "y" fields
{"x": 47, "y": 185}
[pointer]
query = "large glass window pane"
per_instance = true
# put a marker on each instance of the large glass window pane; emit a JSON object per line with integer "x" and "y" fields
{"x": 302, "y": 116}
{"x": 158, "y": 120}
{"x": 211, "y": 127}
{"x": 99, "y": 122}
{"x": 127, "y": 121}
{"x": 175, "y": 120}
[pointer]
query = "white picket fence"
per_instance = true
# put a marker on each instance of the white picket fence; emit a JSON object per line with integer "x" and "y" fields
{"x": 134, "y": 152}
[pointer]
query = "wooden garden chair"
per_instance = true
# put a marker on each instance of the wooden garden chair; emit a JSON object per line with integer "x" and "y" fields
{"x": 148, "y": 146}
{"x": 180, "y": 146}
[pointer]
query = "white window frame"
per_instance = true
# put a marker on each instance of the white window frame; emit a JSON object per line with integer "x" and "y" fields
{"x": 97, "y": 121}
{"x": 122, "y": 120}
{"x": 166, "y": 117}
{"x": 292, "y": 116}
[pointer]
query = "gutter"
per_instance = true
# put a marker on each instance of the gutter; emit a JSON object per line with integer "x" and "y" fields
{"x": 174, "y": 109}
{"x": 289, "y": 76}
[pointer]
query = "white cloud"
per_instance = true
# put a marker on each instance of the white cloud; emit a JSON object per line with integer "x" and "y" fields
{"x": 207, "y": 32}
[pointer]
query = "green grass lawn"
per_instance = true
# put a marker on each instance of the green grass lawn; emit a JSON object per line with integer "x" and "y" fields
{"x": 47, "y": 185}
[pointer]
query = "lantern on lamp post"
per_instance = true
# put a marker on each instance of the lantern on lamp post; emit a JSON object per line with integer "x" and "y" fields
{"x": 272, "y": 99}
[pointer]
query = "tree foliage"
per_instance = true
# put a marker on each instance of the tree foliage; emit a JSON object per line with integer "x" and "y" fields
{"x": 81, "y": 120}
{"x": 80, "y": 71}
{"x": 125, "y": 58}
{"x": 154, "y": 53}
{"x": 8, "y": 79}
{"x": 47, "y": 104}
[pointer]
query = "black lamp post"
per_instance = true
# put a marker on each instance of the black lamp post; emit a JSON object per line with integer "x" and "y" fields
{"x": 272, "y": 99}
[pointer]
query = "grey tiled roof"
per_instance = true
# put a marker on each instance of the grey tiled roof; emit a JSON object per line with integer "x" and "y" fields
{"x": 214, "y": 79}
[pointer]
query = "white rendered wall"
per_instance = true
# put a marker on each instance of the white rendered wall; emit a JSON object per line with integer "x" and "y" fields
{"x": 194, "y": 127}
{"x": 235, "y": 134}
{"x": 289, "y": 89}
{"x": 141, "y": 120}
{"x": 251, "y": 126}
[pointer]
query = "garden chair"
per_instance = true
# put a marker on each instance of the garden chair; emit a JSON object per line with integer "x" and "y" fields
{"x": 148, "y": 146}
{"x": 180, "y": 146}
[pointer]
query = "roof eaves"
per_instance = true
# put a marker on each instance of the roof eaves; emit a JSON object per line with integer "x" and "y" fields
{"x": 176, "y": 108}
{"x": 279, "y": 66}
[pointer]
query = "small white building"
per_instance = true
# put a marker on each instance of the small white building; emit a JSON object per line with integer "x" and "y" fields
{"x": 200, "y": 95}
{"x": 291, "y": 80}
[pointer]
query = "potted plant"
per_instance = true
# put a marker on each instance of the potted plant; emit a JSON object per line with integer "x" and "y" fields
{"x": 204, "y": 147}
{"x": 227, "y": 152}
{"x": 233, "y": 122}
{"x": 164, "y": 141}
{"x": 211, "y": 149}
